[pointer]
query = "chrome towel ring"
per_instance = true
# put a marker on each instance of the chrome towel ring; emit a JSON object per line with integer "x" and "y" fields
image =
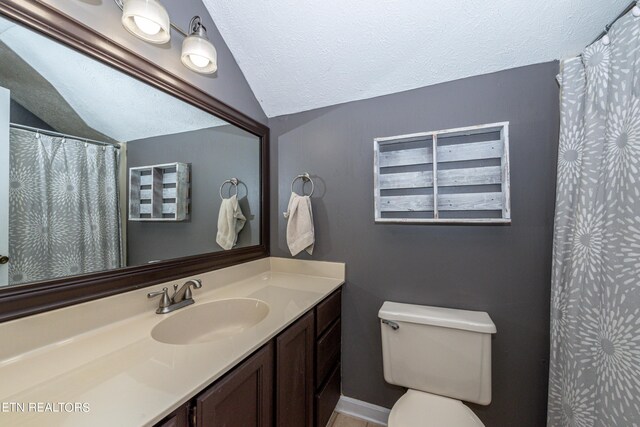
{"x": 233, "y": 182}
{"x": 305, "y": 178}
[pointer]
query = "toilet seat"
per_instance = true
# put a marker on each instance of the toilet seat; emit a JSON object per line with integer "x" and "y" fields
{"x": 419, "y": 409}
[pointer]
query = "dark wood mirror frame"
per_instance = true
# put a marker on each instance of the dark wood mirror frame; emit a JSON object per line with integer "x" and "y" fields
{"x": 24, "y": 300}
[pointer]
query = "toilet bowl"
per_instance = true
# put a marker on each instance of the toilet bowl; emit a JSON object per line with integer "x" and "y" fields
{"x": 443, "y": 357}
{"x": 419, "y": 409}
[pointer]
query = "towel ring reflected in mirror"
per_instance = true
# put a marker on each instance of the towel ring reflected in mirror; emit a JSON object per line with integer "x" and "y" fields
{"x": 234, "y": 184}
{"x": 305, "y": 178}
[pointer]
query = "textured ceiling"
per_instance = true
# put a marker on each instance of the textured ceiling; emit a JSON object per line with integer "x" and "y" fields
{"x": 300, "y": 55}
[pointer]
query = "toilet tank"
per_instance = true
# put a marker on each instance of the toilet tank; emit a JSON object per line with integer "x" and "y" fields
{"x": 438, "y": 350}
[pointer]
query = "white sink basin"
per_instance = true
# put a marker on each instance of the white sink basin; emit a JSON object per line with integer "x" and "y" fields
{"x": 211, "y": 321}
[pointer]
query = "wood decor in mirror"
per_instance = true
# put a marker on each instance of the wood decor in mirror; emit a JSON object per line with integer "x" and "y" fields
{"x": 35, "y": 297}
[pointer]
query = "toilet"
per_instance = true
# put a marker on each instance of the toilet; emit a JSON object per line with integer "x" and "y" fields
{"x": 443, "y": 357}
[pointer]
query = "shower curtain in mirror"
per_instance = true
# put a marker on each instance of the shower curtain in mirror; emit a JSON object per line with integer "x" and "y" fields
{"x": 63, "y": 207}
{"x": 595, "y": 308}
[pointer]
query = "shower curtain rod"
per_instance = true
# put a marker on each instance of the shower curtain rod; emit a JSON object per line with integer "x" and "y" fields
{"x": 62, "y": 135}
{"x": 608, "y": 27}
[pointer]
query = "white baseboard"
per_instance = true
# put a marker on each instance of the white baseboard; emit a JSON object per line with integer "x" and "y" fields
{"x": 363, "y": 410}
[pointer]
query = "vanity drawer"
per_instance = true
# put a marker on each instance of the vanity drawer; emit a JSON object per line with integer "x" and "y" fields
{"x": 328, "y": 311}
{"x": 327, "y": 398}
{"x": 328, "y": 353}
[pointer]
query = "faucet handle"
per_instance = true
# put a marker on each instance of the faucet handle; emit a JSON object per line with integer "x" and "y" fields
{"x": 165, "y": 301}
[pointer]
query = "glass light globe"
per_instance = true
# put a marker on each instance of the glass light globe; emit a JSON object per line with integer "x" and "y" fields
{"x": 199, "y": 55}
{"x": 146, "y": 19}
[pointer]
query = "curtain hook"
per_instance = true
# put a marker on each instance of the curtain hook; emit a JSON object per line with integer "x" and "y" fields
{"x": 606, "y": 40}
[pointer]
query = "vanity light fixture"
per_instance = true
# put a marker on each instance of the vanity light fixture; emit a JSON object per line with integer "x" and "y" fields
{"x": 636, "y": 10}
{"x": 198, "y": 54}
{"x": 149, "y": 21}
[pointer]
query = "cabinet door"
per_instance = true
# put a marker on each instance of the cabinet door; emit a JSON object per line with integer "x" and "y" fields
{"x": 294, "y": 374}
{"x": 178, "y": 418}
{"x": 243, "y": 398}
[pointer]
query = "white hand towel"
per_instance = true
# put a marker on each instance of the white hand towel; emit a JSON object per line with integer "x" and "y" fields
{"x": 300, "y": 233}
{"x": 230, "y": 222}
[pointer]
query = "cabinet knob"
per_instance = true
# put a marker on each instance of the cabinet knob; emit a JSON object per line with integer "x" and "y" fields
{"x": 4, "y": 259}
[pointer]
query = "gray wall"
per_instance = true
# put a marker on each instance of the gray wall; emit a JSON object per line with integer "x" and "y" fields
{"x": 22, "y": 116}
{"x": 504, "y": 270}
{"x": 215, "y": 155}
{"x": 228, "y": 84}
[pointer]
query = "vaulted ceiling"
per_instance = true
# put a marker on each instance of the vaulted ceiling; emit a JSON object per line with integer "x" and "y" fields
{"x": 301, "y": 55}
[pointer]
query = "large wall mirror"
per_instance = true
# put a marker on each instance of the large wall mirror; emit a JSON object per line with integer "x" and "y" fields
{"x": 109, "y": 182}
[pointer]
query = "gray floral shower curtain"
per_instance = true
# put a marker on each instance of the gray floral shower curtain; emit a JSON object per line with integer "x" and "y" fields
{"x": 63, "y": 207}
{"x": 595, "y": 308}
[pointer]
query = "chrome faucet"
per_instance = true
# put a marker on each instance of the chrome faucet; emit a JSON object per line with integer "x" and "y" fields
{"x": 181, "y": 297}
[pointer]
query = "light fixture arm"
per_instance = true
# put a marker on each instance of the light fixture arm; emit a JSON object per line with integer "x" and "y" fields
{"x": 179, "y": 30}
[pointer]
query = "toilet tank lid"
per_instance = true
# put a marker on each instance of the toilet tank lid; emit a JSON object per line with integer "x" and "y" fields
{"x": 476, "y": 321}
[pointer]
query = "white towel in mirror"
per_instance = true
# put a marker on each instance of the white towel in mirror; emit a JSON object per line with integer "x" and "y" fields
{"x": 300, "y": 232}
{"x": 230, "y": 222}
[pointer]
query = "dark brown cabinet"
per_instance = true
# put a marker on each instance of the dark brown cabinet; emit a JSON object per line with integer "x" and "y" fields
{"x": 178, "y": 418}
{"x": 292, "y": 381}
{"x": 294, "y": 374}
{"x": 328, "y": 353}
{"x": 328, "y": 345}
{"x": 242, "y": 398}
{"x": 327, "y": 397}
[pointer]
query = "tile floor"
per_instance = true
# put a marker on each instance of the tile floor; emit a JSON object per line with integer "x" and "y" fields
{"x": 341, "y": 420}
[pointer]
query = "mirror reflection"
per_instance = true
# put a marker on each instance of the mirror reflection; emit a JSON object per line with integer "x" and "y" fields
{"x": 99, "y": 170}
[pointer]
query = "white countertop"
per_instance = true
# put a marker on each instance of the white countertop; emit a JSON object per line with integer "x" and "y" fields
{"x": 109, "y": 361}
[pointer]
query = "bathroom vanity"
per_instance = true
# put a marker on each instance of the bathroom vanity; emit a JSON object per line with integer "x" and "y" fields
{"x": 283, "y": 370}
{"x": 295, "y": 378}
